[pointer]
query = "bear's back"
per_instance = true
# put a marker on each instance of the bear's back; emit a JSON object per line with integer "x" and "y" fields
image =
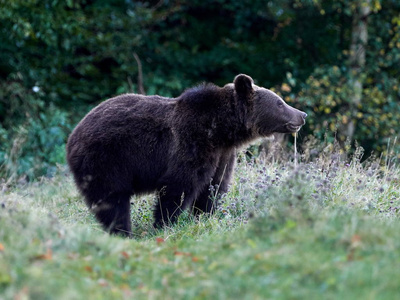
{"x": 117, "y": 115}
{"x": 118, "y": 135}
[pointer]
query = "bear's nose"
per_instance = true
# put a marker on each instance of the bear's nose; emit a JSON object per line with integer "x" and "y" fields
{"x": 304, "y": 115}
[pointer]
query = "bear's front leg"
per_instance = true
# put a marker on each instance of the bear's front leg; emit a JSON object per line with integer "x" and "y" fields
{"x": 206, "y": 201}
{"x": 173, "y": 200}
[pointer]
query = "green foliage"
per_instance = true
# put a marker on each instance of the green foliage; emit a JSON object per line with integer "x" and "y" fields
{"x": 34, "y": 144}
{"x": 326, "y": 95}
{"x": 78, "y": 53}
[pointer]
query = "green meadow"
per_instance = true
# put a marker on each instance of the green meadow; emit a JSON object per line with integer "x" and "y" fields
{"x": 327, "y": 228}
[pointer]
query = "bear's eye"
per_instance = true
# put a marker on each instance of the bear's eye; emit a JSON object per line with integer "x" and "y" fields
{"x": 280, "y": 103}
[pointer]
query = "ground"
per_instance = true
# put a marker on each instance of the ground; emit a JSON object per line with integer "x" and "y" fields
{"x": 326, "y": 229}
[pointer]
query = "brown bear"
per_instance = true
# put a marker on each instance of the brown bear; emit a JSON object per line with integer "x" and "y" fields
{"x": 134, "y": 144}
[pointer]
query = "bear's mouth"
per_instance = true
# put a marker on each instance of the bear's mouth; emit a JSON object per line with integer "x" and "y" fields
{"x": 293, "y": 128}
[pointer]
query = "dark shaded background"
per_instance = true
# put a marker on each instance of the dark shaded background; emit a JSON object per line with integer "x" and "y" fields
{"x": 60, "y": 58}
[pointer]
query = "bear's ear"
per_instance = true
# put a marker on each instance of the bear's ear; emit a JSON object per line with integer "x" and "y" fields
{"x": 243, "y": 84}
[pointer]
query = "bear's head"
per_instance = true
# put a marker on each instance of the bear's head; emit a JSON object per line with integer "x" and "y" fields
{"x": 267, "y": 112}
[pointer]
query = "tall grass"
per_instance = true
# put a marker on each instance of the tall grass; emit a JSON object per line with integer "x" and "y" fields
{"x": 324, "y": 228}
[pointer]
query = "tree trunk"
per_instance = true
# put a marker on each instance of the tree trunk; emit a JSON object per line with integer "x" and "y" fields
{"x": 359, "y": 39}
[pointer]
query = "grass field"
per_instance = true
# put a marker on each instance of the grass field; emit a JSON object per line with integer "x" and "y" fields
{"x": 326, "y": 229}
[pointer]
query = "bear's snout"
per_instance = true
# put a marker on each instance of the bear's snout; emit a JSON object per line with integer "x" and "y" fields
{"x": 303, "y": 118}
{"x": 298, "y": 120}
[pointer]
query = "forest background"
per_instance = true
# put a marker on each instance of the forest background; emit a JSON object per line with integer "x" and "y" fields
{"x": 337, "y": 60}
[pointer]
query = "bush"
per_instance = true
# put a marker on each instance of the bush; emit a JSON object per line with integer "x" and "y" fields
{"x": 33, "y": 138}
{"x": 326, "y": 98}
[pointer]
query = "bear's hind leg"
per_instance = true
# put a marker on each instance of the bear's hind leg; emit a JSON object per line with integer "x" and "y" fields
{"x": 114, "y": 214}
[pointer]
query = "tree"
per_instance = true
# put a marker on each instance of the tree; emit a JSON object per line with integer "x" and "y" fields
{"x": 359, "y": 40}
